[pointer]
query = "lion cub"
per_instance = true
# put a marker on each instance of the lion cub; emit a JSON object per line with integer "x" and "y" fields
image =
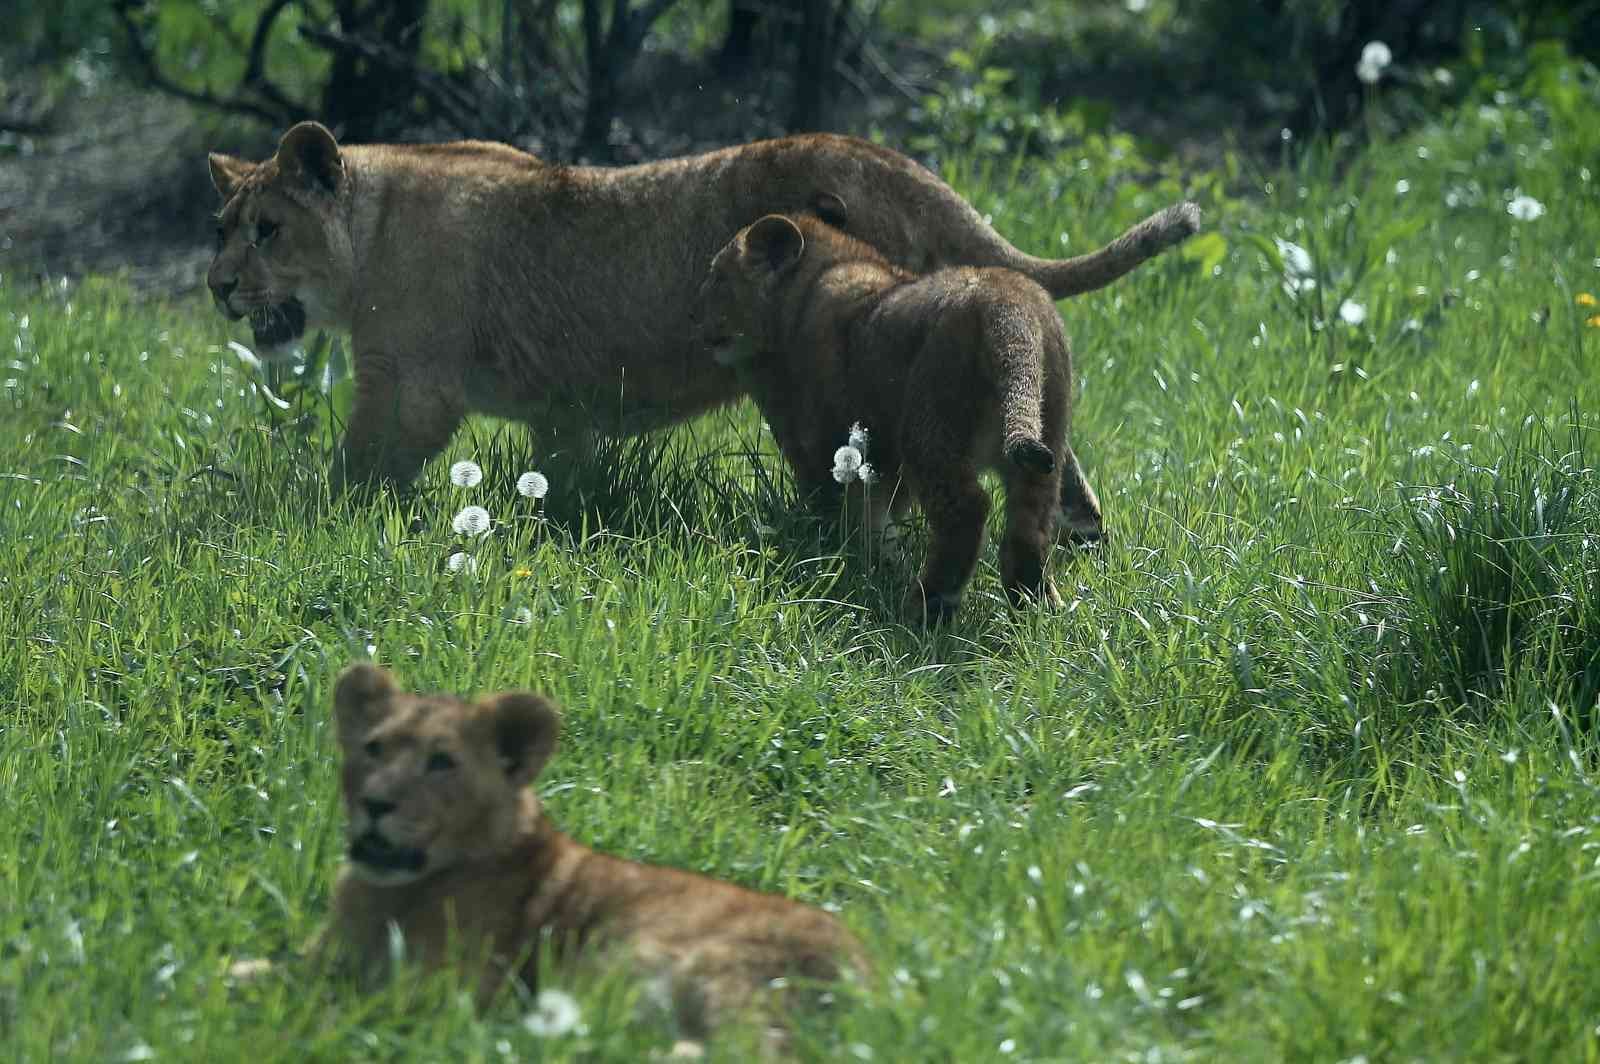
{"x": 952, "y": 372}
{"x": 448, "y": 843}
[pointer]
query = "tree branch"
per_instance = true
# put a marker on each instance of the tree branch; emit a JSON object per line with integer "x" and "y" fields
{"x": 144, "y": 57}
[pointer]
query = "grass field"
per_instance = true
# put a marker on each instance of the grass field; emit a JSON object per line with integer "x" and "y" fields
{"x": 1306, "y": 771}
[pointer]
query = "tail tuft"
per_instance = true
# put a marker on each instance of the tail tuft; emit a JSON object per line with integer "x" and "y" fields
{"x": 1030, "y": 454}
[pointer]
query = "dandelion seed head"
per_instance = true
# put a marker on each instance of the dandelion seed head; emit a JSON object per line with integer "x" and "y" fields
{"x": 1524, "y": 208}
{"x": 461, "y": 562}
{"x": 847, "y": 458}
{"x": 859, "y": 437}
{"x": 1352, "y": 313}
{"x": 868, "y": 475}
{"x": 465, "y": 474}
{"x": 1375, "y": 58}
{"x": 533, "y": 485}
{"x": 843, "y": 475}
{"x": 472, "y": 521}
{"x": 554, "y": 1014}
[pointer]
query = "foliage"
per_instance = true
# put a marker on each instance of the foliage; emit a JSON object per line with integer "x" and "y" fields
{"x": 1192, "y": 816}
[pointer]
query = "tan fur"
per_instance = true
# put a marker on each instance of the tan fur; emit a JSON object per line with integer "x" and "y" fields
{"x": 473, "y": 277}
{"x": 450, "y": 845}
{"x": 950, "y": 373}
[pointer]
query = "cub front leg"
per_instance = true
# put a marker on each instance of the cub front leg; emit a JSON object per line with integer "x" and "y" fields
{"x": 399, "y": 420}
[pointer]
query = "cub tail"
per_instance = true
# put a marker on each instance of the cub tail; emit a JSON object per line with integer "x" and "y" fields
{"x": 1016, "y": 345}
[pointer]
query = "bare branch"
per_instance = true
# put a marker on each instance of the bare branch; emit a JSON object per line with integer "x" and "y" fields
{"x": 454, "y": 104}
{"x": 144, "y": 57}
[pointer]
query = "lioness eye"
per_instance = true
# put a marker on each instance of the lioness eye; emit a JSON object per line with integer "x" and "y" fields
{"x": 439, "y": 761}
{"x": 373, "y": 748}
{"x": 264, "y": 230}
{"x": 222, "y": 237}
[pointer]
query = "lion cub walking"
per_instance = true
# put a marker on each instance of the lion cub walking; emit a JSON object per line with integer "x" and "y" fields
{"x": 448, "y": 843}
{"x": 952, "y": 372}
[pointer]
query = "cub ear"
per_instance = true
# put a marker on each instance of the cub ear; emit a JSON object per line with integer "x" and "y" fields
{"x": 228, "y": 173}
{"x": 831, "y": 209}
{"x": 309, "y": 154}
{"x": 522, "y": 729}
{"x": 775, "y": 243}
{"x": 360, "y": 700}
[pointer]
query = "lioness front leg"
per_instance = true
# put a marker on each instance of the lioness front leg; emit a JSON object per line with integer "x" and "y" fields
{"x": 397, "y": 423}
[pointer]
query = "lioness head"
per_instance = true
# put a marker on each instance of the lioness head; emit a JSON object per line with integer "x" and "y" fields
{"x": 284, "y": 258}
{"x": 431, "y": 781}
{"x": 734, "y": 302}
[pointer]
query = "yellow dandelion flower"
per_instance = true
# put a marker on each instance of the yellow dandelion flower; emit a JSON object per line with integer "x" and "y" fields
{"x": 1594, "y": 322}
{"x": 1585, "y": 299}
{"x": 522, "y": 571}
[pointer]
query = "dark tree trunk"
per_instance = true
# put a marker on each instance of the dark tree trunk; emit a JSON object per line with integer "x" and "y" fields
{"x": 366, "y": 99}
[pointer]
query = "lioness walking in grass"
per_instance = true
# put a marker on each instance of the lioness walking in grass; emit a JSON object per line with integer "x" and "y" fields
{"x": 953, "y": 372}
{"x": 474, "y": 278}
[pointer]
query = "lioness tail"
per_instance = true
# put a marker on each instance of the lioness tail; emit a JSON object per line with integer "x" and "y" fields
{"x": 1070, "y": 277}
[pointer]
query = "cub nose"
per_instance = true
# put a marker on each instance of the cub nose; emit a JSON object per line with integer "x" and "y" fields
{"x": 376, "y": 807}
{"x": 223, "y": 289}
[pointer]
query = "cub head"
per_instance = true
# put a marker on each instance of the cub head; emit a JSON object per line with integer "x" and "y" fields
{"x": 735, "y": 301}
{"x": 284, "y": 258}
{"x": 430, "y": 781}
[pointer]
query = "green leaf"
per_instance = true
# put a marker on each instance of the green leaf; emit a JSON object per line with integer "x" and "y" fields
{"x": 1207, "y": 249}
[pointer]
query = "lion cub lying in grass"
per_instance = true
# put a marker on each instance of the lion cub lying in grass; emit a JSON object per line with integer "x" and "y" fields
{"x": 958, "y": 370}
{"x": 450, "y": 844}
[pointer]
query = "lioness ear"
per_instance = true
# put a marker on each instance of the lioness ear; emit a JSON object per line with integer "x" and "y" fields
{"x": 774, "y": 242}
{"x": 523, "y": 729}
{"x": 309, "y": 154}
{"x": 228, "y": 173}
{"x": 831, "y": 209}
{"x": 360, "y": 699}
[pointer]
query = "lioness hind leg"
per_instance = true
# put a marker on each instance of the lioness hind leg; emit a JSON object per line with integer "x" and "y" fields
{"x": 1080, "y": 520}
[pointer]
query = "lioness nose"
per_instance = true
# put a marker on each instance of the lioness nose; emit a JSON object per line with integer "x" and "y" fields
{"x": 376, "y": 807}
{"x": 223, "y": 289}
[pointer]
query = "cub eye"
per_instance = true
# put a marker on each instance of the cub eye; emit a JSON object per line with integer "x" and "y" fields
{"x": 372, "y": 748}
{"x": 439, "y": 761}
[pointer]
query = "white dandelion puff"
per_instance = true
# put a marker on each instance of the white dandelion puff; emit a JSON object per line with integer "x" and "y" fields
{"x": 868, "y": 475}
{"x": 843, "y": 475}
{"x": 533, "y": 485}
{"x": 847, "y": 458}
{"x": 461, "y": 562}
{"x": 1298, "y": 269}
{"x": 1375, "y": 58}
{"x": 472, "y": 521}
{"x": 554, "y": 1014}
{"x": 1524, "y": 208}
{"x": 465, "y": 474}
{"x": 859, "y": 437}
{"x": 1352, "y": 313}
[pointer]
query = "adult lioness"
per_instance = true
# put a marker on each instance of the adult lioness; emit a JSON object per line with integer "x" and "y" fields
{"x": 450, "y": 846}
{"x": 473, "y": 277}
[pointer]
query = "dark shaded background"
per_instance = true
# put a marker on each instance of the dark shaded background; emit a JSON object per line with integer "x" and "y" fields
{"x": 108, "y": 106}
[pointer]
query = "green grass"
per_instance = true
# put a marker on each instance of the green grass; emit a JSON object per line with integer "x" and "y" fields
{"x": 1307, "y": 771}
